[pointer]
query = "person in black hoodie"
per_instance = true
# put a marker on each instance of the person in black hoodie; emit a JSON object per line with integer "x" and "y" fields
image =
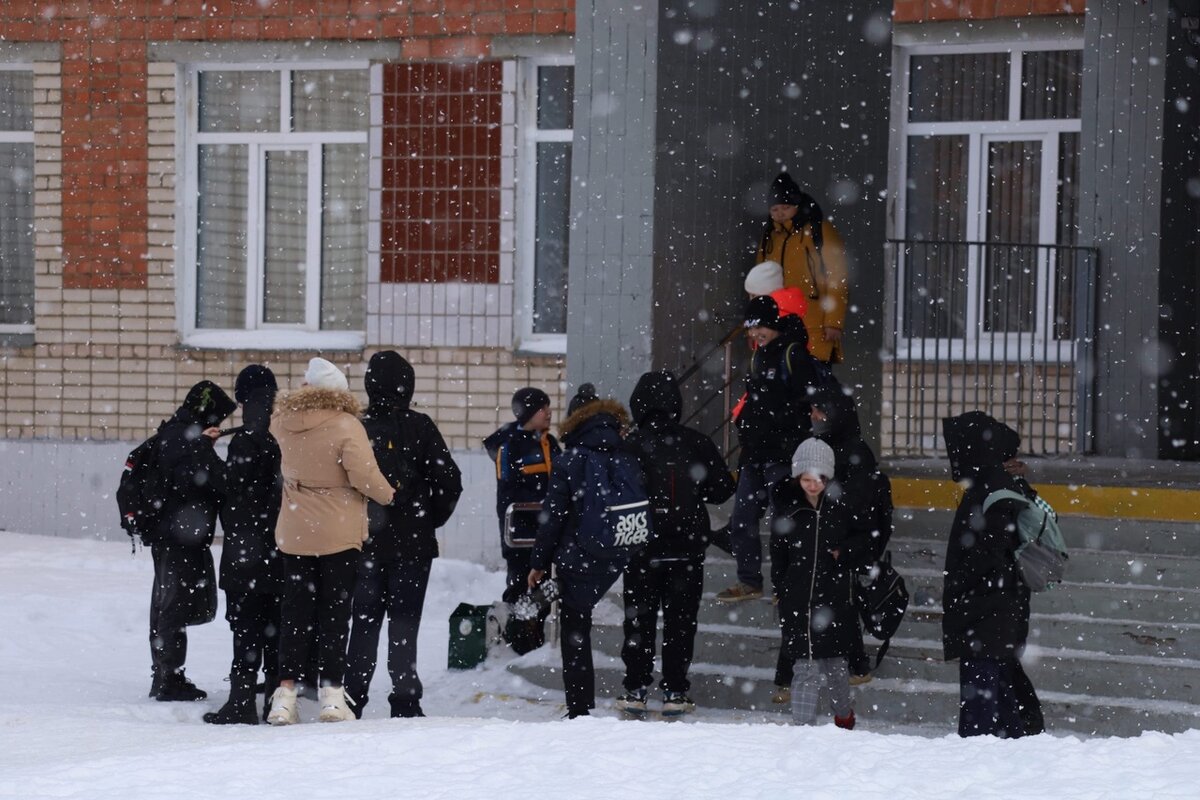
{"x": 185, "y": 585}
{"x": 251, "y": 574}
{"x": 985, "y": 602}
{"x": 771, "y": 421}
{"x": 866, "y": 492}
{"x": 524, "y": 452}
{"x": 393, "y": 572}
{"x": 596, "y": 425}
{"x": 683, "y": 470}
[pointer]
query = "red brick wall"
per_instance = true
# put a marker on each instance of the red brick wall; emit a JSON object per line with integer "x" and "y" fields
{"x": 104, "y": 148}
{"x": 935, "y": 10}
{"x": 441, "y": 172}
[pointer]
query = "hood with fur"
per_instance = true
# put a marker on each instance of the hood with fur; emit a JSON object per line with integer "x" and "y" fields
{"x": 309, "y": 406}
{"x": 597, "y": 424}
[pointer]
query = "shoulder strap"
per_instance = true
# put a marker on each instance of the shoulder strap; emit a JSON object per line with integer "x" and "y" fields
{"x": 1003, "y": 494}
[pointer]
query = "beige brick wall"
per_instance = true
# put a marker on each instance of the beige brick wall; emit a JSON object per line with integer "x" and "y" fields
{"x": 1037, "y": 400}
{"x": 106, "y": 364}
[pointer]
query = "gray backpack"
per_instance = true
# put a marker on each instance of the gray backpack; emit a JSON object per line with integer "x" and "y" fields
{"x": 1042, "y": 554}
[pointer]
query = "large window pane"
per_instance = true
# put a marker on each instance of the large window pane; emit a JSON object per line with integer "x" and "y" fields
{"x": 556, "y": 98}
{"x": 16, "y": 233}
{"x": 329, "y": 100}
{"x": 16, "y": 100}
{"x": 1012, "y": 221}
{"x": 239, "y": 101}
{"x": 221, "y": 237}
{"x": 935, "y": 287}
{"x": 552, "y": 235}
{"x": 1050, "y": 84}
{"x": 344, "y": 237}
{"x": 285, "y": 237}
{"x": 958, "y": 86}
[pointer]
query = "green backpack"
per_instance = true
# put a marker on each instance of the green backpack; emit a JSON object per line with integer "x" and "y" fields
{"x": 1042, "y": 554}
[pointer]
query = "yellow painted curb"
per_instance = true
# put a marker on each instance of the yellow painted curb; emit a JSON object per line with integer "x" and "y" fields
{"x": 1124, "y": 502}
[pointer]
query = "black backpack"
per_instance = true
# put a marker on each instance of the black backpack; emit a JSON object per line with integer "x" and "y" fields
{"x": 142, "y": 493}
{"x": 826, "y": 380}
{"x": 881, "y": 598}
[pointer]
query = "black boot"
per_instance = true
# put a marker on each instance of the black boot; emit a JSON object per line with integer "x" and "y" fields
{"x": 155, "y": 682}
{"x": 176, "y": 687}
{"x": 405, "y": 706}
{"x": 270, "y": 684}
{"x": 240, "y": 709}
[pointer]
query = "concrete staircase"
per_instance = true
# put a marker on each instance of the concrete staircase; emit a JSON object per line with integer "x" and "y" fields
{"x": 1113, "y": 651}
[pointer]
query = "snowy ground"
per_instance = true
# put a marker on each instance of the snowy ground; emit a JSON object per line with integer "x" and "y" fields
{"x": 76, "y": 723}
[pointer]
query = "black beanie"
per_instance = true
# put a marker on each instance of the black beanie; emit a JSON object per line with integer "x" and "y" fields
{"x": 784, "y": 191}
{"x": 527, "y": 402}
{"x": 584, "y": 395}
{"x": 763, "y": 312}
{"x": 252, "y": 379}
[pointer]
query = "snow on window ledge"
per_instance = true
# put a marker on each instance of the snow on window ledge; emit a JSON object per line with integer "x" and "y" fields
{"x": 542, "y": 345}
{"x": 275, "y": 340}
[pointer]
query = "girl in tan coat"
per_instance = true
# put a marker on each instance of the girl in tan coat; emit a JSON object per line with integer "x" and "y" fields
{"x": 329, "y": 471}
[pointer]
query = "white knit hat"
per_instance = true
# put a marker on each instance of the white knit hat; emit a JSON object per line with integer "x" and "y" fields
{"x": 765, "y": 278}
{"x": 813, "y": 457}
{"x": 321, "y": 374}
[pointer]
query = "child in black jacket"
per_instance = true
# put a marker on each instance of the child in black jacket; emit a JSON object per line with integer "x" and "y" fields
{"x": 393, "y": 572}
{"x": 683, "y": 471}
{"x": 815, "y": 590}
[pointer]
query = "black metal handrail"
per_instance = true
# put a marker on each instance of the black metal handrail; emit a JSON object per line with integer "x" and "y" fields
{"x": 722, "y": 431}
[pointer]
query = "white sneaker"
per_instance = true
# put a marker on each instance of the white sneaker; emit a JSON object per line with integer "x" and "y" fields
{"x": 284, "y": 709}
{"x": 334, "y": 704}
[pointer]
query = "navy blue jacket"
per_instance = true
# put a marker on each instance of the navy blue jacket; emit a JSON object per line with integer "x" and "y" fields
{"x": 524, "y": 460}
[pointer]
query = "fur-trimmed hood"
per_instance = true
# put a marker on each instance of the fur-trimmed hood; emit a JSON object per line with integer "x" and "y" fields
{"x": 308, "y": 407}
{"x": 597, "y": 424}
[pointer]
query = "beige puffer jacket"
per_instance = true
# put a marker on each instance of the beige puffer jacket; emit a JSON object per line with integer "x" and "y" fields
{"x": 329, "y": 471}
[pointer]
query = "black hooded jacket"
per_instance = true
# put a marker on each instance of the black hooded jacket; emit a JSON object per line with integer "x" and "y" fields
{"x": 858, "y": 483}
{"x": 597, "y": 425}
{"x": 196, "y": 475}
{"x": 775, "y": 418}
{"x": 414, "y": 458}
{"x": 249, "y": 559}
{"x": 683, "y": 469}
{"x": 985, "y": 602}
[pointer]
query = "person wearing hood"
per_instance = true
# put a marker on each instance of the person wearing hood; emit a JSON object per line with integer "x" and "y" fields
{"x": 866, "y": 492}
{"x": 814, "y": 584}
{"x": 772, "y": 420}
{"x": 985, "y": 603}
{"x": 251, "y": 573}
{"x": 524, "y": 452}
{"x": 683, "y": 471}
{"x": 185, "y": 585}
{"x": 329, "y": 472}
{"x": 393, "y": 572}
{"x": 812, "y": 256}
{"x": 593, "y": 428}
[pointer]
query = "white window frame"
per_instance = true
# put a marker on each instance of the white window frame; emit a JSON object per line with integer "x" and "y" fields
{"x": 528, "y": 138}
{"x": 21, "y": 137}
{"x": 274, "y": 336}
{"x": 1008, "y": 346}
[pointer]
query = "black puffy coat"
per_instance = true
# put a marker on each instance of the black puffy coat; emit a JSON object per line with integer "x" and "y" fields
{"x": 523, "y": 462}
{"x": 249, "y": 559}
{"x": 815, "y": 589}
{"x": 775, "y": 417}
{"x": 683, "y": 469}
{"x": 196, "y": 475}
{"x": 413, "y": 456}
{"x": 985, "y": 602}
{"x": 858, "y": 484}
{"x": 585, "y": 578}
